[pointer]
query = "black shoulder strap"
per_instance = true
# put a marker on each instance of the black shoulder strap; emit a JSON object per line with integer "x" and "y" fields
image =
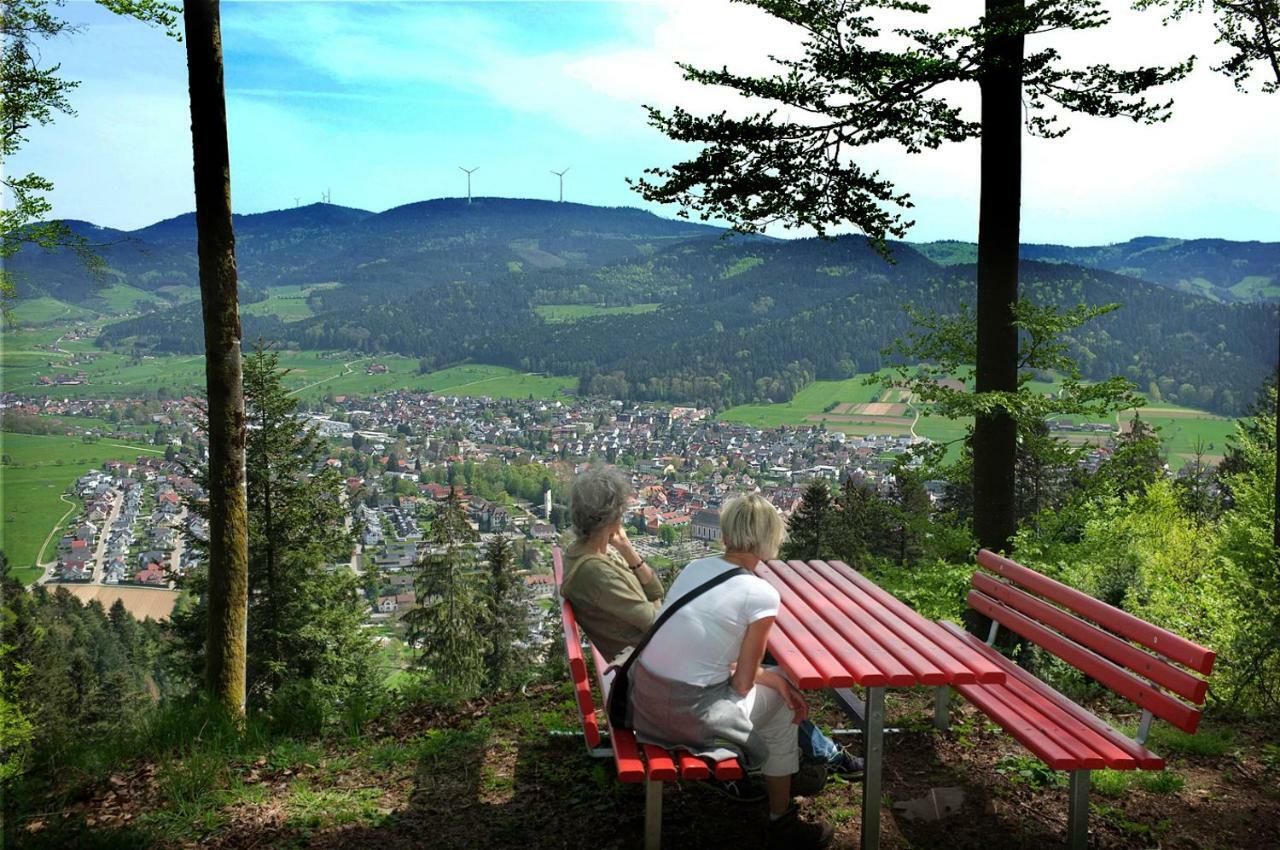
{"x": 672, "y": 607}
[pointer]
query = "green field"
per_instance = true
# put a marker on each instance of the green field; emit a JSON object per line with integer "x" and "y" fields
{"x": 573, "y": 312}
{"x": 311, "y": 374}
{"x": 37, "y": 471}
{"x": 813, "y": 399}
{"x": 121, "y": 298}
{"x": 1180, "y": 427}
{"x": 289, "y": 303}
{"x": 43, "y": 310}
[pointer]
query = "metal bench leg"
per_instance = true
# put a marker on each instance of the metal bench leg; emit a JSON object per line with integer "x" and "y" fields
{"x": 873, "y": 740}
{"x": 652, "y": 815}
{"x": 1078, "y": 811}
{"x": 942, "y": 708}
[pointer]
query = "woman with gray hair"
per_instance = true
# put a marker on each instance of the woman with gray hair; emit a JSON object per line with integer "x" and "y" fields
{"x": 614, "y": 593}
{"x": 698, "y": 682}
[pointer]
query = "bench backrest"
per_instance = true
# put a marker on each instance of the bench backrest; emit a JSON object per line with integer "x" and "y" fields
{"x": 577, "y": 661}
{"x": 1100, "y": 640}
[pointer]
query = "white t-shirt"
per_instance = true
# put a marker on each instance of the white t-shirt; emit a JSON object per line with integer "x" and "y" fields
{"x": 703, "y": 638}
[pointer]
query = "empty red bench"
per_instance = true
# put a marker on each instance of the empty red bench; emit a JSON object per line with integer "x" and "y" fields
{"x": 1150, "y": 666}
{"x": 635, "y": 762}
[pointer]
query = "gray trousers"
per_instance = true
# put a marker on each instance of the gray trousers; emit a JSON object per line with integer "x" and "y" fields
{"x": 713, "y": 721}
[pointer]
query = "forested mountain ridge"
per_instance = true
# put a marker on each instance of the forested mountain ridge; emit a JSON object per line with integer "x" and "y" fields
{"x": 735, "y": 319}
{"x": 1217, "y": 268}
{"x": 740, "y": 320}
{"x": 445, "y": 239}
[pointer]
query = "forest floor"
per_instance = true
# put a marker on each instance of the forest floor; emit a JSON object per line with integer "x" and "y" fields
{"x": 491, "y": 774}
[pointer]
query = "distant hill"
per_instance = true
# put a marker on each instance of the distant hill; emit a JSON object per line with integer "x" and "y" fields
{"x": 1215, "y": 268}
{"x": 725, "y": 321}
{"x": 443, "y": 239}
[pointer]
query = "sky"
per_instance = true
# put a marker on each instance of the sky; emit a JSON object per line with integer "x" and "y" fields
{"x": 380, "y": 104}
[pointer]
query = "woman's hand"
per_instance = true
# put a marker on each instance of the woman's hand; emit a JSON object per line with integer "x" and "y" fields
{"x": 619, "y": 541}
{"x": 790, "y": 693}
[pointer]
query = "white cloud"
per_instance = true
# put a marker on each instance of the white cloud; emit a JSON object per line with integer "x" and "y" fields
{"x": 1210, "y": 170}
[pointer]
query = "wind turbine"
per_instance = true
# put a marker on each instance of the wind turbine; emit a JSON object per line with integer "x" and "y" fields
{"x": 561, "y": 175}
{"x": 469, "y": 172}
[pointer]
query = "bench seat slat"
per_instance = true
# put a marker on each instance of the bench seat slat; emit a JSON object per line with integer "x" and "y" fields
{"x": 985, "y": 671}
{"x": 1095, "y": 750}
{"x": 839, "y": 641}
{"x": 876, "y": 634}
{"x": 691, "y": 767}
{"x": 1116, "y": 678}
{"x": 1153, "y": 637}
{"x": 659, "y": 765}
{"x": 1025, "y": 732}
{"x": 728, "y": 769}
{"x": 1025, "y": 683}
{"x": 1014, "y": 706}
{"x": 1141, "y": 662}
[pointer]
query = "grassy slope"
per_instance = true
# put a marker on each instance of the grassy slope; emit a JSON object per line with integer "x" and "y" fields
{"x": 42, "y": 310}
{"x": 287, "y": 302}
{"x": 40, "y": 470}
{"x": 312, "y": 373}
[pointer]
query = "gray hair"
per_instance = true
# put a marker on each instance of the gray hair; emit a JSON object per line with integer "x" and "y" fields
{"x": 598, "y": 499}
{"x": 749, "y": 523}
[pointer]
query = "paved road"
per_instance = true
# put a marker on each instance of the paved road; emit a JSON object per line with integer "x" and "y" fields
{"x": 104, "y": 532}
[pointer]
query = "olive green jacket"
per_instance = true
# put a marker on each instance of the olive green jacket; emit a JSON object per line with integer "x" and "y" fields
{"x": 609, "y": 602}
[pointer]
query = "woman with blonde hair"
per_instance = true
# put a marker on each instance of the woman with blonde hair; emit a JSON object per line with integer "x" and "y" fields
{"x": 698, "y": 683}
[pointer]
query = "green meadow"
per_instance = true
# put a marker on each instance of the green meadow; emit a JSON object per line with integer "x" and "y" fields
{"x": 1180, "y": 427}
{"x": 813, "y": 399}
{"x": 574, "y": 312}
{"x": 37, "y": 470}
{"x": 43, "y": 310}
{"x": 289, "y": 303}
{"x": 311, "y": 374}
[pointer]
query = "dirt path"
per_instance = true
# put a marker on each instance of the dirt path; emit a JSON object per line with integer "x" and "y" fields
{"x": 52, "y": 531}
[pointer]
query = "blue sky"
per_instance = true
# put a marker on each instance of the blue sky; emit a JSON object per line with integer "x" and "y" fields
{"x": 381, "y": 102}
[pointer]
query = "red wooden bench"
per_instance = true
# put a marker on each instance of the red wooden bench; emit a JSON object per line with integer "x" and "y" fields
{"x": 1150, "y": 666}
{"x": 635, "y": 762}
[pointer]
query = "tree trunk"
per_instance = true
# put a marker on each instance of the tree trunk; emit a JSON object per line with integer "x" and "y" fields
{"x": 995, "y": 435}
{"x": 228, "y": 527}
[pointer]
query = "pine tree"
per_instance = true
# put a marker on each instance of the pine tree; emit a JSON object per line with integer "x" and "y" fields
{"x": 505, "y": 620}
{"x": 797, "y": 166}
{"x": 443, "y": 625}
{"x": 305, "y": 606}
{"x": 863, "y": 525}
{"x": 809, "y": 530}
{"x": 911, "y": 515}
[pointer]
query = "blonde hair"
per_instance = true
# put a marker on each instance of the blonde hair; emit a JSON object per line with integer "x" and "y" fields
{"x": 748, "y": 523}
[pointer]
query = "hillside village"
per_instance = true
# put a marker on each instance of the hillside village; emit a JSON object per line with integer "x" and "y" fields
{"x": 403, "y": 451}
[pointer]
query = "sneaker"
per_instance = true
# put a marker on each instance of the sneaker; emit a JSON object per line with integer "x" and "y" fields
{"x": 847, "y": 765}
{"x": 789, "y": 832}
{"x": 745, "y": 790}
